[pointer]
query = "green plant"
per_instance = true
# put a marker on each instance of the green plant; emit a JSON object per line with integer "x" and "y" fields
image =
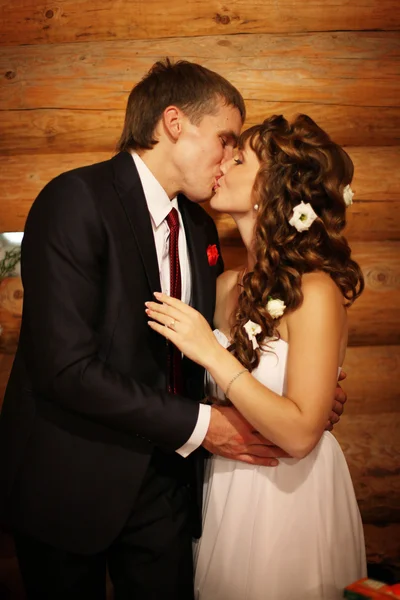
{"x": 9, "y": 262}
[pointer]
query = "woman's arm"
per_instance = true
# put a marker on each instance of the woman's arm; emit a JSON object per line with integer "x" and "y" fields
{"x": 293, "y": 422}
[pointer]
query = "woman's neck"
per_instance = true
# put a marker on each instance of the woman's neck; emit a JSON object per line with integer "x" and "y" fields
{"x": 246, "y": 230}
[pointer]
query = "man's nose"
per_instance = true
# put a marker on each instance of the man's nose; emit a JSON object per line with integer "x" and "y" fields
{"x": 226, "y": 164}
{"x": 228, "y": 153}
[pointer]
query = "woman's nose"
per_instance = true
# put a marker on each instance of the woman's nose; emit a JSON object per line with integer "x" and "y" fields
{"x": 226, "y": 165}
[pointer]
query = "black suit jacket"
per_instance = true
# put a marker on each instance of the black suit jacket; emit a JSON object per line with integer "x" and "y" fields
{"x": 86, "y": 403}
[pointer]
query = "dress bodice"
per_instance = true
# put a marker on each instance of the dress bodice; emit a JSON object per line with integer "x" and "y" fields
{"x": 271, "y": 370}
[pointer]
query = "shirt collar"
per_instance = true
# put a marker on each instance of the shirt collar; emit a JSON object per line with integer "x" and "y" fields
{"x": 158, "y": 202}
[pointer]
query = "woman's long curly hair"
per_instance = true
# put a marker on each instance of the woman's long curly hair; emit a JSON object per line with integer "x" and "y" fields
{"x": 298, "y": 163}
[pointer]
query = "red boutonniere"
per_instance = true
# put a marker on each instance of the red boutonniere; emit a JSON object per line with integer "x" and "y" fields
{"x": 212, "y": 255}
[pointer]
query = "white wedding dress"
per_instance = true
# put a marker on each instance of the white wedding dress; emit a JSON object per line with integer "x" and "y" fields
{"x": 291, "y": 532}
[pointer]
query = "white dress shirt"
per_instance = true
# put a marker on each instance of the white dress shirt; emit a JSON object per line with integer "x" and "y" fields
{"x": 159, "y": 206}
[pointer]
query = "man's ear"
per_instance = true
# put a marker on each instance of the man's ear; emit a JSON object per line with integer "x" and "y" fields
{"x": 172, "y": 121}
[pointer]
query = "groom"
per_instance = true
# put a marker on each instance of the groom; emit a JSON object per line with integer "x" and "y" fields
{"x": 101, "y": 418}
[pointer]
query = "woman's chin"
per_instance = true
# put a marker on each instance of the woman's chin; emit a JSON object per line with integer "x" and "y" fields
{"x": 215, "y": 203}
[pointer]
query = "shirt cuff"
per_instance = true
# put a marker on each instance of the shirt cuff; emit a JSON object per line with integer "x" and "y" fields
{"x": 199, "y": 432}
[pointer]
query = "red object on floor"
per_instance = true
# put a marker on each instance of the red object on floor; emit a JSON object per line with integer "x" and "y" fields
{"x": 371, "y": 589}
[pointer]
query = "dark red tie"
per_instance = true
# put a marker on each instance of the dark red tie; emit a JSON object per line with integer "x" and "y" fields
{"x": 174, "y": 355}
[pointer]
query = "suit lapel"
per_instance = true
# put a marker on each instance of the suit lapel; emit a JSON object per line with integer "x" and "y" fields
{"x": 133, "y": 200}
{"x": 139, "y": 240}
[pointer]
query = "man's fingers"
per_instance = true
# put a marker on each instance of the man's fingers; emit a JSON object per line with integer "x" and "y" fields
{"x": 255, "y": 437}
{"x": 257, "y": 460}
{"x": 340, "y": 395}
{"x": 342, "y": 375}
{"x": 334, "y": 418}
{"x": 264, "y": 451}
{"x": 338, "y": 408}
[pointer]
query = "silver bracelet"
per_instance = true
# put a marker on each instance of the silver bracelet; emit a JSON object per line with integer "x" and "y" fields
{"x": 233, "y": 379}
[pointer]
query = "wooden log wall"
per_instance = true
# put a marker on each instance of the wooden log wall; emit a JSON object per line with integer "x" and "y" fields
{"x": 66, "y": 70}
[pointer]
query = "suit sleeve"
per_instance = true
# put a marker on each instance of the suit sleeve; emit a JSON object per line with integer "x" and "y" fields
{"x": 63, "y": 254}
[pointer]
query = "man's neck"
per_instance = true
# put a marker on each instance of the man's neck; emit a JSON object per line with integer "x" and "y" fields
{"x": 162, "y": 168}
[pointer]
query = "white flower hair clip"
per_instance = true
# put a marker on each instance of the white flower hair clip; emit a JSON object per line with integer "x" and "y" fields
{"x": 252, "y": 329}
{"x": 348, "y": 195}
{"x": 275, "y": 307}
{"x": 303, "y": 217}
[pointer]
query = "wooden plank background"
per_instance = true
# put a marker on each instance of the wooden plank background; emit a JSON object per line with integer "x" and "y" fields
{"x": 67, "y": 70}
{"x": 24, "y": 22}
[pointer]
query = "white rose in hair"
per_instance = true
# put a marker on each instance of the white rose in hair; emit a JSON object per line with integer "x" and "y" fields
{"x": 252, "y": 329}
{"x": 303, "y": 217}
{"x": 275, "y": 307}
{"x": 348, "y": 195}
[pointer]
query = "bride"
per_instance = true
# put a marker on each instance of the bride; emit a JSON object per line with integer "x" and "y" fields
{"x": 293, "y": 531}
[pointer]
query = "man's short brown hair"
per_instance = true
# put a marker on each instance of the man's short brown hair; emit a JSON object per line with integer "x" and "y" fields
{"x": 191, "y": 87}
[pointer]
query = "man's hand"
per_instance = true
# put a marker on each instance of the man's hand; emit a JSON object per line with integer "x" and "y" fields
{"x": 338, "y": 404}
{"x": 231, "y": 436}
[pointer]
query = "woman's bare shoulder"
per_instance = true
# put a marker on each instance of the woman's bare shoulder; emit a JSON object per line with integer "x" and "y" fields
{"x": 320, "y": 285}
{"x": 323, "y": 303}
